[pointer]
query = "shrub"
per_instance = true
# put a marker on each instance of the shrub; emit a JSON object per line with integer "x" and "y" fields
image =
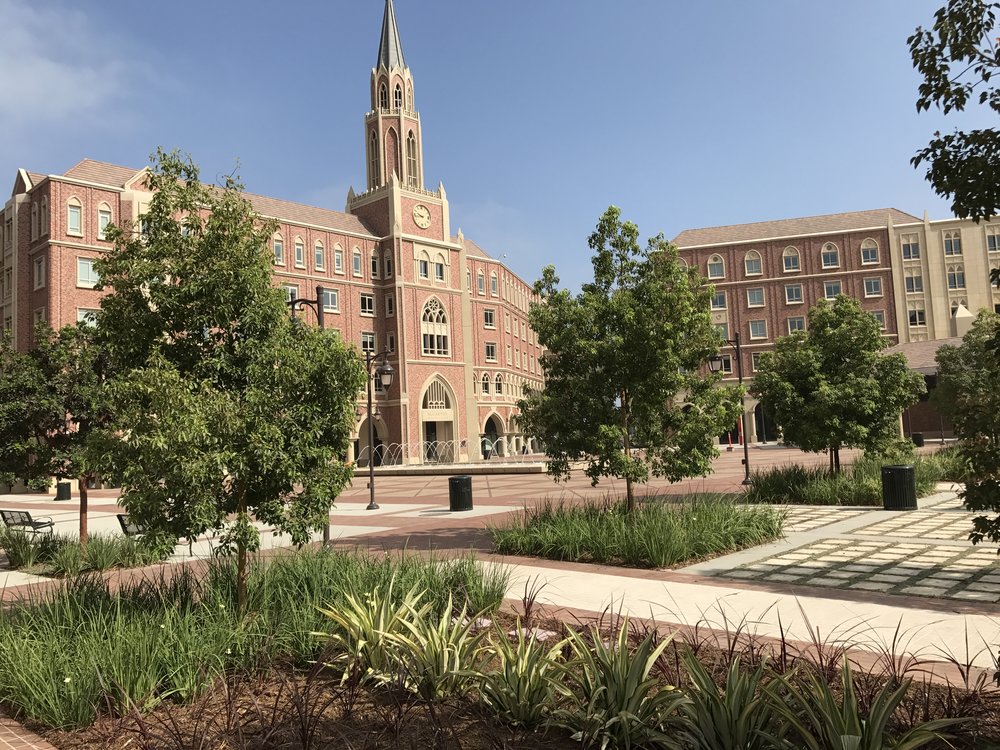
{"x": 105, "y": 552}
{"x": 21, "y": 547}
{"x": 67, "y": 561}
{"x": 660, "y": 532}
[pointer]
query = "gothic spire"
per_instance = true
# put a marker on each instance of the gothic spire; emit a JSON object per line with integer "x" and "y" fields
{"x": 390, "y": 51}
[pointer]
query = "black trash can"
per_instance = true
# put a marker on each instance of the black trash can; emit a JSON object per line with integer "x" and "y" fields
{"x": 899, "y": 488}
{"x": 917, "y": 438}
{"x": 460, "y": 493}
{"x": 62, "y": 491}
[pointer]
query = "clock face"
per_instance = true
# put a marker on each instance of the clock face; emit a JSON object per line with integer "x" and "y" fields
{"x": 421, "y": 216}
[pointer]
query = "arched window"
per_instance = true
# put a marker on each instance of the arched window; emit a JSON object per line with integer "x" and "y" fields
{"x": 953, "y": 243}
{"x": 279, "y": 250}
{"x": 103, "y": 219}
{"x": 338, "y": 258}
{"x": 436, "y": 396}
{"x": 956, "y": 277}
{"x": 752, "y": 264}
{"x": 45, "y": 215}
{"x": 830, "y": 256}
{"x": 397, "y": 97}
{"x": 716, "y": 267}
{"x": 486, "y": 384}
{"x": 74, "y": 216}
{"x": 480, "y": 282}
{"x": 373, "y": 161}
{"x": 869, "y": 252}
{"x": 374, "y": 264}
{"x": 494, "y": 284}
{"x": 387, "y": 264}
{"x": 300, "y": 253}
{"x": 383, "y": 96}
{"x": 684, "y": 263}
{"x": 34, "y": 220}
{"x": 468, "y": 279}
{"x": 356, "y": 268}
{"x": 439, "y": 267}
{"x": 424, "y": 265}
{"x": 498, "y": 385}
{"x": 411, "y": 158}
{"x": 319, "y": 256}
{"x": 434, "y": 329}
{"x": 790, "y": 260}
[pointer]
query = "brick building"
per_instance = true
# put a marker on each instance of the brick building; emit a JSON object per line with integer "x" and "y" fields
{"x": 452, "y": 318}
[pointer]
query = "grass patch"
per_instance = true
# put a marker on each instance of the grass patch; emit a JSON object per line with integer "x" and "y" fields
{"x": 858, "y": 484}
{"x": 64, "y": 557}
{"x": 661, "y": 532}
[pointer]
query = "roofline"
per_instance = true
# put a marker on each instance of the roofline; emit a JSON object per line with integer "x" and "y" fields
{"x": 942, "y": 221}
{"x": 84, "y": 183}
{"x": 783, "y": 236}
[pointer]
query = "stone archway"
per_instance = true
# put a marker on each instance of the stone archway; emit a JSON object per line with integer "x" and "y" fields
{"x": 494, "y": 437}
{"x": 362, "y": 454}
{"x": 437, "y": 423}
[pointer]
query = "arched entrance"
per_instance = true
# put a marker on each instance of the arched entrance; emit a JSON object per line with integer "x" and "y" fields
{"x": 767, "y": 430}
{"x": 493, "y": 433}
{"x": 437, "y": 423}
{"x": 362, "y": 454}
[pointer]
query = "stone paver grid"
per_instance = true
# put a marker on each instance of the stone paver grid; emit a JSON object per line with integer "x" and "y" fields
{"x": 922, "y": 570}
{"x": 922, "y": 524}
{"x": 801, "y": 518}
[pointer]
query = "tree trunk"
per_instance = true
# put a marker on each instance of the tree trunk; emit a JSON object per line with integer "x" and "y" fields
{"x": 831, "y": 461}
{"x": 836, "y": 459}
{"x": 83, "y": 510}
{"x": 241, "y": 577}
{"x": 629, "y": 491}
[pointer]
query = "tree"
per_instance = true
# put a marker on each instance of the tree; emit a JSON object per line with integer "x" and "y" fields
{"x": 969, "y": 392}
{"x": 228, "y": 412}
{"x": 623, "y": 384}
{"x": 831, "y": 387}
{"x": 50, "y": 401}
{"x": 957, "y": 57}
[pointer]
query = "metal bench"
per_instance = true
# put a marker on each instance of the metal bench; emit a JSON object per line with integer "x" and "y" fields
{"x": 21, "y": 519}
{"x": 134, "y": 528}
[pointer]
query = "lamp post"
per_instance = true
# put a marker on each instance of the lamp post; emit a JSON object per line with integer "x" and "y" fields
{"x": 317, "y": 305}
{"x": 384, "y": 373}
{"x": 715, "y": 365}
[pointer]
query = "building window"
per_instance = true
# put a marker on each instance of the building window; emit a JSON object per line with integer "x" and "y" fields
{"x": 291, "y": 292}
{"x": 758, "y": 329}
{"x": 397, "y": 97}
{"x": 797, "y": 323}
{"x": 86, "y": 316}
{"x": 755, "y": 360}
{"x": 752, "y": 264}
{"x": 790, "y": 259}
{"x": 485, "y": 384}
{"x": 873, "y": 287}
{"x": 506, "y": 322}
{"x": 879, "y": 316}
{"x": 374, "y": 264}
{"x": 490, "y": 319}
{"x": 727, "y": 364}
{"x": 434, "y": 329}
{"x": 956, "y": 277}
{"x": 86, "y": 274}
{"x": 74, "y": 217}
{"x": 716, "y": 267}
{"x": 869, "y": 252}
{"x": 103, "y": 219}
{"x": 423, "y": 268}
{"x": 831, "y": 289}
{"x": 390, "y": 343}
{"x": 911, "y": 247}
{"x": 411, "y": 159}
{"x": 279, "y": 251}
{"x": 494, "y": 285}
{"x": 480, "y": 282}
{"x": 356, "y": 262}
{"x": 510, "y": 356}
{"x": 387, "y": 265}
{"x": 338, "y": 259}
{"x": 331, "y": 300}
{"x": 993, "y": 239}
{"x": 39, "y": 316}
{"x": 831, "y": 256}
{"x": 918, "y": 317}
{"x": 383, "y": 96}
{"x": 319, "y": 257}
{"x": 793, "y": 294}
{"x": 300, "y": 253}
{"x": 491, "y": 352}
{"x": 719, "y": 301}
{"x": 952, "y": 243}
{"x": 390, "y": 305}
{"x": 367, "y": 304}
{"x": 368, "y": 342}
{"x": 373, "y": 175}
{"x": 45, "y": 215}
{"x": 914, "y": 283}
{"x": 498, "y": 385}
{"x": 468, "y": 279}
{"x": 439, "y": 271}
{"x": 39, "y": 266}
{"x": 723, "y": 330}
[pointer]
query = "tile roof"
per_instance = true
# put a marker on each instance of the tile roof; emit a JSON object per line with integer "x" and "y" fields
{"x": 920, "y": 355}
{"x": 35, "y": 178}
{"x": 792, "y": 227}
{"x": 298, "y": 213}
{"x": 471, "y": 248}
{"x": 101, "y": 173}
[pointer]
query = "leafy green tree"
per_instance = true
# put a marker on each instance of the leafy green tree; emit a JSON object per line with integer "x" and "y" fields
{"x": 957, "y": 59}
{"x": 831, "y": 386}
{"x": 969, "y": 392}
{"x": 227, "y": 411}
{"x": 624, "y": 384}
{"x": 50, "y": 402}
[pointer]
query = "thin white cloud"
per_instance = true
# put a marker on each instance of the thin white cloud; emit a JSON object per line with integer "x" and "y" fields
{"x": 61, "y": 70}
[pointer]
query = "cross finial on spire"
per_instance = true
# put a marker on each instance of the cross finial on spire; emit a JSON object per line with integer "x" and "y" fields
{"x": 390, "y": 51}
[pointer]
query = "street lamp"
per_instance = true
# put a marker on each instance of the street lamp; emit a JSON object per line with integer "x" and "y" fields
{"x": 298, "y": 303}
{"x": 715, "y": 365}
{"x": 384, "y": 373}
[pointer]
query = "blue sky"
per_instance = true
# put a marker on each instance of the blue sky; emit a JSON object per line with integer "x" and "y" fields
{"x": 537, "y": 114}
